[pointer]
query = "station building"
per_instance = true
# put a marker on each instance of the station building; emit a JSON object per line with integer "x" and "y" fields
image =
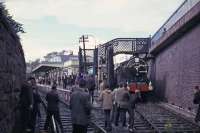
{"x": 54, "y": 66}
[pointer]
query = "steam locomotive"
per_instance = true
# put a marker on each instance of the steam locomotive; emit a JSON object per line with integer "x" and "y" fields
{"x": 134, "y": 72}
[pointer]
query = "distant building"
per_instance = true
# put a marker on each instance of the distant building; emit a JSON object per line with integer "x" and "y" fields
{"x": 58, "y": 57}
{"x": 72, "y": 65}
{"x": 56, "y": 65}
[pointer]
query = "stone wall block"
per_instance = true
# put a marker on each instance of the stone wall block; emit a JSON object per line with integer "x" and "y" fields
{"x": 12, "y": 73}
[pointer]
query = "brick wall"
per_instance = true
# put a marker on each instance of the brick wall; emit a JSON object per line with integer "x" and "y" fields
{"x": 12, "y": 72}
{"x": 177, "y": 70}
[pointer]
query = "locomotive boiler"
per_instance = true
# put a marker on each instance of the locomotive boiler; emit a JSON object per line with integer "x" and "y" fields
{"x": 134, "y": 72}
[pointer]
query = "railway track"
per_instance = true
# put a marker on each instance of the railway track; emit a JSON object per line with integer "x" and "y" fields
{"x": 96, "y": 125}
{"x": 149, "y": 118}
{"x": 162, "y": 120}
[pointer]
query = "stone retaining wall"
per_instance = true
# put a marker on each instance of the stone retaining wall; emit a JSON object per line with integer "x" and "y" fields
{"x": 177, "y": 70}
{"x": 12, "y": 72}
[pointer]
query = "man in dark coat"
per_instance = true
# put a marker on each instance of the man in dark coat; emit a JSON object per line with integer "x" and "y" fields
{"x": 197, "y": 101}
{"x": 52, "y": 107}
{"x": 65, "y": 82}
{"x": 133, "y": 99}
{"x": 80, "y": 108}
{"x": 91, "y": 87}
{"x": 36, "y": 101}
{"x": 25, "y": 106}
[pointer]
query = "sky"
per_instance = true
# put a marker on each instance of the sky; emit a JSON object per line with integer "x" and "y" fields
{"x": 56, "y": 25}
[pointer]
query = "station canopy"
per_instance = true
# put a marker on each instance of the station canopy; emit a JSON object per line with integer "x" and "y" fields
{"x": 46, "y": 67}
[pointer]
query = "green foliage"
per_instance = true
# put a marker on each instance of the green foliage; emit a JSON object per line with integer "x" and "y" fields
{"x": 168, "y": 126}
{"x": 5, "y": 16}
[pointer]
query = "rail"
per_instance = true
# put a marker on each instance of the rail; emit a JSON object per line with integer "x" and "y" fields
{"x": 98, "y": 129}
{"x": 54, "y": 126}
{"x": 156, "y": 130}
{"x": 163, "y": 120}
{"x": 65, "y": 98}
{"x": 158, "y": 121}
{"x": 177, "y": 114}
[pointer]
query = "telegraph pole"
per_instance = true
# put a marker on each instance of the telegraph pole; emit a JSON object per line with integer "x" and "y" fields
{"x": 84, "y": 52}
{"x": 83, "y": 40}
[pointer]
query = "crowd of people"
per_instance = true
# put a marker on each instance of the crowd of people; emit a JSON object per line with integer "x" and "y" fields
{"x": 116, "y": 104}
{"x": 30, "y": 99}
{"x": 64, "y": 81}
{"x": 29, "y": 107}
